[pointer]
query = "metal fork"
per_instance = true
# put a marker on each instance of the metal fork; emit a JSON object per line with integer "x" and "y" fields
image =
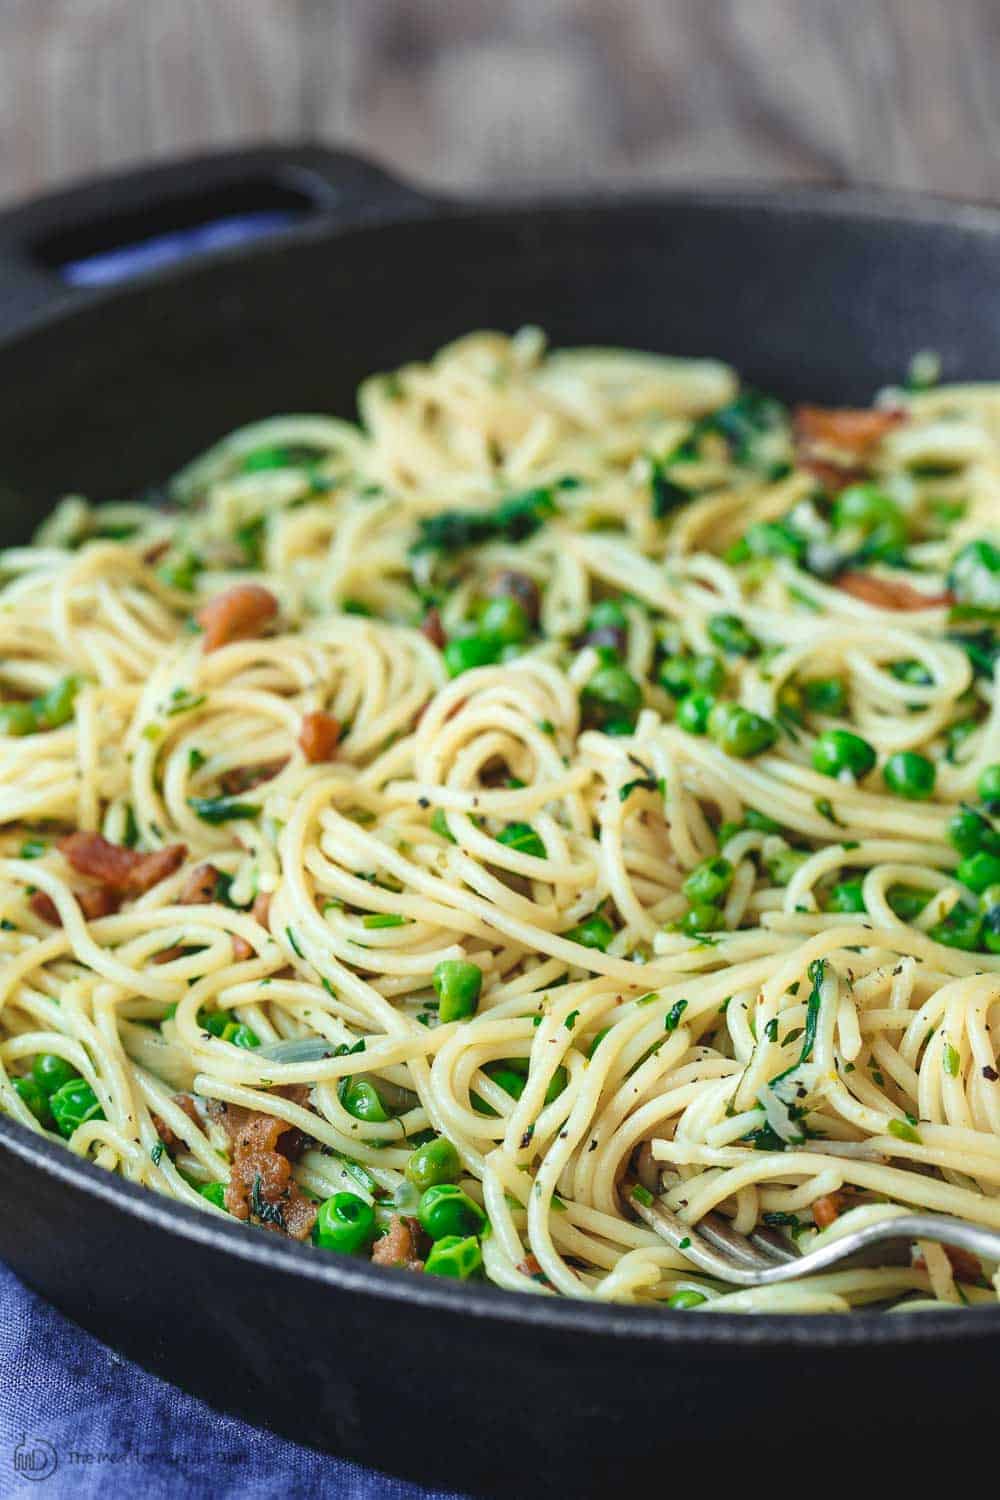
{"x": 764, "y": 1259}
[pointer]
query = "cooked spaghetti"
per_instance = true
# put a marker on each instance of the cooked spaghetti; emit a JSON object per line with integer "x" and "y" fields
{"x": 580, "y": 775}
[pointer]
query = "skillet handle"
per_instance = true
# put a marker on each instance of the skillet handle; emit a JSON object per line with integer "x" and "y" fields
{"x": 59, "y": 248}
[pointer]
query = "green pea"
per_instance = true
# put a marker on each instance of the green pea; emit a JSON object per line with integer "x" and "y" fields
{"x": 729, "y": 633}
{"x": 457, "y": 985}
{"x": 911, "y": 671}
{"x": 989, "y": 788}
{"x": 979, "y": 870}
{"x": 454, "y": 1257}
{"x": 362, "y": 1100}
{"x": 73, "y": 1105}
{"x": 675, "y": 675}
{"x": 707, "y": 673}
{"x": 50, "y": 1072}
{"x": 240, "y": 1035}
{"x": 961, "y": 928}
{"x": 866, "y": 508}
{"x": 825, "y": 695}
{"x": 969, "y": 832}
{"x": 974, "y": 577}
{"x": 34, "y": 1096}
{"x": 522, "y": 838}
{"x": 345, "y": 1223}
{"x": 464, "y": 652}
{"x": 439, "y": 823}
{"x": 56, "y": 706}
{"x": 506, "y": 619}
{"x": 709, "y": 881}
{"x": 510, "y": 1081}
{"x": 792, "y": 702}
{"x": 774, "y": 539}
{"x": 611, "y": 697}
{"x": 838, "y": 750}
{"x": 432, "y": 1163}
{"x": 694, "y": 711}
{"x": 956, "y": 735}
{"x": 701, "y": 919}
{"x": 180, "y": 572}
{"x": 681, "y": 675}
{"x": 760, "y": 822}
{"x": 607, "y": 614}
{"x": 512, "y": 1075}
{"x": 910, "y": 775}
{"x": 847, "y": 896}
{"x": 907, "y": 901}
{"x": 989, "y": 905}
{"x": 215, "y": 1192}
{"x": 594, "y": 932}
{"x": 214, "y": 1021}
{"x": 18, "y": 719}
{"x": 737, "y": 731}
{"x": 687, "y": 1298}
{"x": 445, "y": 1210}
{"x": 783, "y": 863}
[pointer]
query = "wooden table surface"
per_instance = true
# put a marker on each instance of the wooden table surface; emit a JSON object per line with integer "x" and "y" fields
{"x": 510, "y": 93}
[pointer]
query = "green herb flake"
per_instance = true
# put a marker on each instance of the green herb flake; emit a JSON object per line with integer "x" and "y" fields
{"x": 293, "y": 942}
{"x": 824, "y": 807}
{"x": 672, "y": 1019}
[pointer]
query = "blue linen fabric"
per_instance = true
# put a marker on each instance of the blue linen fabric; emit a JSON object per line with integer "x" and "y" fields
{"x": 78, "y": 1420}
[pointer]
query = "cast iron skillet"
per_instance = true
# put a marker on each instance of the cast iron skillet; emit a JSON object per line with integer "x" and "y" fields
{"x": 812, "y": 294}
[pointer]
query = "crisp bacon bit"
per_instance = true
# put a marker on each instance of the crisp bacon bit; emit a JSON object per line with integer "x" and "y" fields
{"x": 888, "y": 593}
{"x": 171, "y": 1140}
{"x": 236, "y": 614}
{"x": 832, "y": 443}
{"x": 398, "y": 1246}
{"x": 318, "y": 736}
{"x": 965, "y": 1265}
{"x": 828, "y": 1208}
{"x": 155, "y": 553}
{"x": 260, "y": 911}
{"x": 431, "y": 627}
{"x": 167, "y": 955}
{"x": 261, "y": 1186}
{"x": 832, "y": 477}
{"x": 126, "y": 871}
{"x": 94, "y": 901}
{"x": 200, "y": 887}
{"x": 855, "y": 430}
{"x": 245, "y": 778}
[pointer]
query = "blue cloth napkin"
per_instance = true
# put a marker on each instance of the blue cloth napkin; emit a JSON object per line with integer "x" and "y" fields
{"x": 77, "y": 1420}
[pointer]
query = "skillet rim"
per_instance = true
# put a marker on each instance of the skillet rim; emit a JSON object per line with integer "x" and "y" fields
{"x": 487, "y": 1303}
{"x": 651, "y": 1327}
{"x": 832, "y": 202}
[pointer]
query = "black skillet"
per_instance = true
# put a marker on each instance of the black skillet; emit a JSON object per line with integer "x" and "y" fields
{"x": 815, "y": 294}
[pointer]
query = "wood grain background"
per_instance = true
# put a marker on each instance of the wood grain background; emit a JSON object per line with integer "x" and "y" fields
{"x": 511, "y": 93}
